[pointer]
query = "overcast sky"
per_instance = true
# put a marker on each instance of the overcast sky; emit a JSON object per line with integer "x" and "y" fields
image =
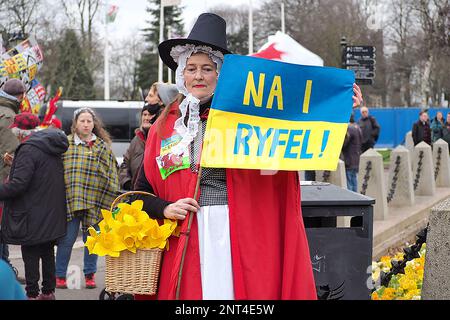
{"x": 131, "y": 16}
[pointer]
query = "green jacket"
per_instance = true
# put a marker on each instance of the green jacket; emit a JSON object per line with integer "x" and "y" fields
{"x": 8, "y": 141}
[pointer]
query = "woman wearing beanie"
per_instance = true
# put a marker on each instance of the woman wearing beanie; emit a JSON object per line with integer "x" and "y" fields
{"x": 159, "y": 96}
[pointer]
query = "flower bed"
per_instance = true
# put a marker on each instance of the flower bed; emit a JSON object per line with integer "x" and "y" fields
{"x": 402, "y": 286}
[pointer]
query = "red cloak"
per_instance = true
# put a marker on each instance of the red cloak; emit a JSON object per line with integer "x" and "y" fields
{"x": 269, "y": 248}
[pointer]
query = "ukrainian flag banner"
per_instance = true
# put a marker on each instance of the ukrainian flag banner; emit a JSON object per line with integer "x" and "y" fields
{"x": 272, "y": 115}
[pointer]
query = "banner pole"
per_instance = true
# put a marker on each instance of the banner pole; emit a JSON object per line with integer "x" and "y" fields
{"x": 188, "y": 233}
{"x": 107, "y": 91}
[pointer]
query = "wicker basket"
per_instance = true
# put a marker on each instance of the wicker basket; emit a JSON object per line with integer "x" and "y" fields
{"x": 133, "y": 273}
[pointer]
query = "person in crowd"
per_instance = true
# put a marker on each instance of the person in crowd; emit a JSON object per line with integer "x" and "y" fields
{"x": 159, "y": 96}
{"x": 446, "y": 129}
{"x": 421, "y": 130}
{"x": 91, "y": 178}
{"x": 437, "y": 126}
{"x": 220, "y": 260}
{"x": 11, "y": 96}
{"x": 370, "y": 129}
{"x": 10, "y": 287}
{"x": 35, "y": 202}
{"x": 351, "y": 152}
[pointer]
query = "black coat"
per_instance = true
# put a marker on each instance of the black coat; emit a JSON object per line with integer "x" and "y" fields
{"x": 421, "y": 131}
{"x": 370, "y": 132}
{"x": 35, "y": 198}
{"x": 352, "y": 147}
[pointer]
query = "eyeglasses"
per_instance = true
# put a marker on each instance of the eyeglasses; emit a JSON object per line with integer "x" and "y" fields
{"x": 204, "y": 70}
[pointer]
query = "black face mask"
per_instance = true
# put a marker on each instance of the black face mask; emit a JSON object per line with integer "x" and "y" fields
{"x": 152, "y": 109}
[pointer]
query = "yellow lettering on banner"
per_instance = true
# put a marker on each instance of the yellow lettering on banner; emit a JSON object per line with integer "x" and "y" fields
{"x": 276, "y": 91}
{"x": 32, "y": 70}
{"x": 249, "y": 142}
{"x": 20, "y": 61}
{"x": 307, "y": 99}
{"x": 11, "y": 66}
{"x": 250, "y": 90}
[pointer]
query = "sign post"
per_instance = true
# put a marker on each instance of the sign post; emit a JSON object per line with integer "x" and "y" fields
{"x": 361, "y": 60}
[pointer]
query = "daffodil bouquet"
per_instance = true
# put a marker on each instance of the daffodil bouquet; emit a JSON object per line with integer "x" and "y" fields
{"x": 128, "y": 228}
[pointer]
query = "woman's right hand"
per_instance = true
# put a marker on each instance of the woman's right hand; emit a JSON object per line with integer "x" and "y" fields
{"x": 8, "y": 159}
{"x": 180, "y": 209}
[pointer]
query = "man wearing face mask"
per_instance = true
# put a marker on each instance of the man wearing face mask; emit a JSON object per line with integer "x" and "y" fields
{"x": 159, "y": 96}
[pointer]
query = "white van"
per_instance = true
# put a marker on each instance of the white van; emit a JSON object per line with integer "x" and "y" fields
{"x": 120, "y": 118}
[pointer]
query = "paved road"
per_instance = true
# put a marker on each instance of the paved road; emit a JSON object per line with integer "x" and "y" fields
{"x": 75, "y": 275}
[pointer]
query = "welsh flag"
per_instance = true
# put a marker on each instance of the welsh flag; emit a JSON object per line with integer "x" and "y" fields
{"x": 112, "y": 13}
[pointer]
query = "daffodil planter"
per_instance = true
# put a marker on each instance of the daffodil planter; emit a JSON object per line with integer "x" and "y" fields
{"x": 134, "y": 273}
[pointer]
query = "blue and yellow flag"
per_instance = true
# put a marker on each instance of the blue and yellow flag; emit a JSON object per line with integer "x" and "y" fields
{"x": 272, "y": 115}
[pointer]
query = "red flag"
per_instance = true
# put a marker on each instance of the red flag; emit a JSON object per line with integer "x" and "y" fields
{"x": 52, "y": 107}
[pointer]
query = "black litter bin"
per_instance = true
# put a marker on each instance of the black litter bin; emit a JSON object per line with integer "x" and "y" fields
{"x": 341, "y": 254}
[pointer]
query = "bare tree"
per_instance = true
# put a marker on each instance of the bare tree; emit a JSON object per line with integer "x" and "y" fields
{"x": 237, "y": 26}
{"x": 124, "y": 68}
{"x": 19, "y": 15}
{"x": 83, "y": 13}
{"x": 434, "y": 17}
{"x": 400, "y": 32}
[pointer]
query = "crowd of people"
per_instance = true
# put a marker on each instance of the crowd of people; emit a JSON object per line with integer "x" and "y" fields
{"x": 82, "y": 180}
{"x": 360, "y": 137}
{"x": 363, "y": 135}
{"x": 53, "y": 183}
{"x": 428, "y": 131}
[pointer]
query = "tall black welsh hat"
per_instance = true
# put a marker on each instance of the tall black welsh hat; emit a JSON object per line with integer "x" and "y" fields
{"x": 208, "y": 30}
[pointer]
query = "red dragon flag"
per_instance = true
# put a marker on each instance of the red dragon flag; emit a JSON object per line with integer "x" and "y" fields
{"x": 112, "y": 13}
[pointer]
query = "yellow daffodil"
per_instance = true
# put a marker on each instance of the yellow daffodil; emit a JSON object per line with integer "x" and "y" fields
{"x": 109, "y": 244}
{"x": 134, "y": 210}
{"x": 91, "y": 239}
{"x": 129, "y": 243}
{"x": 108, "y": 219}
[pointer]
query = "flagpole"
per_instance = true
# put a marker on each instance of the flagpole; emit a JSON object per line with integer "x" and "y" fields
{"x": 169, "y": 71}
{"x": 283, "y": 24}
{"x": 161, "y": 38}
{"x": 107, "y": 92}
{"x": 250, "y": 28}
